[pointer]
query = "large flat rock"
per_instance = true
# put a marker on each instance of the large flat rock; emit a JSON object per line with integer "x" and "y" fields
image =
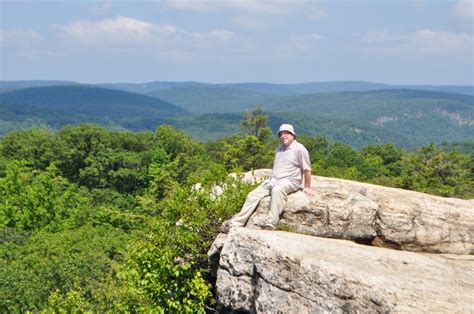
{"x": 383, "y": 216}
{"x": 280, "y": 272}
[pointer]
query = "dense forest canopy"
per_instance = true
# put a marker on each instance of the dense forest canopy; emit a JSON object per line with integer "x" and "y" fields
{"x": 102, "y": 220}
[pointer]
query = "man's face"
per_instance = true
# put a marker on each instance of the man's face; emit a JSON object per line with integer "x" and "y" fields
{"x": 286, "y": 138}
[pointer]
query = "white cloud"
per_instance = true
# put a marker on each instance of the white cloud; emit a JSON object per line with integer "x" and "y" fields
{"x": 132, "y": 36}
{"x": 272, "y": 7}
{"x": 132, "y": 31}
{"x": 120, "y": 29}
{"x": 464, "y": 8}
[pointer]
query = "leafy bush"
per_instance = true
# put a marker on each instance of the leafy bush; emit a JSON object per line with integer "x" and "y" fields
{"x": 167, "y": 267}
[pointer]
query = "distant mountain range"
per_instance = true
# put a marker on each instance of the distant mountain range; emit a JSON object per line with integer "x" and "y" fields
{"x": 359, "y": 113}
{"x": 275, "y": 89}
{"x": 12, "y": 85}
{"x": 202, "y": 99}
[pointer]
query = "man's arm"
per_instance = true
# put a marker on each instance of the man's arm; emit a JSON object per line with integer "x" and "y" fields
{"x": 307, "y": 184}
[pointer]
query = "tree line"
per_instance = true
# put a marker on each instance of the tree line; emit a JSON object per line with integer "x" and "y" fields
{"x": 100, "y": 220}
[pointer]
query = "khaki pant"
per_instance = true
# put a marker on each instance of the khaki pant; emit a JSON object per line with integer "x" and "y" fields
{"x": 279, "y": 195}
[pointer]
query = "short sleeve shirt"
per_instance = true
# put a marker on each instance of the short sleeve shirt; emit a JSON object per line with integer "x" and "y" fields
{"x": 289, "y": 164}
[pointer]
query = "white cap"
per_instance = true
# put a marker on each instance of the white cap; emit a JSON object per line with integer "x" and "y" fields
{"x": 288, "y": 128}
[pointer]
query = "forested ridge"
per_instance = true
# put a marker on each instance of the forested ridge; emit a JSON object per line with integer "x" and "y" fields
{"x": 274, "y": 88}
{"x": 406, "y": 117}
{"x": 100, "y": 220}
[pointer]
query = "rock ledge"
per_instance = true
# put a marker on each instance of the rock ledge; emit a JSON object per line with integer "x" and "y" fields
{"x": 280, "y": 272}
{"x": 382, "y": 216}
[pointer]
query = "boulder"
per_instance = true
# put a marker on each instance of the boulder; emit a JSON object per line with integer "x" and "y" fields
{"x": 280, "y": 272}
{"x": 382, "y": 216}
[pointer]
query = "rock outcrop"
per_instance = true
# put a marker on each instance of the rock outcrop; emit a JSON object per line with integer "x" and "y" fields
{"x": 280, "y": 272}
{"x": 302, "y": 271}
{"x": 374, "y": 214}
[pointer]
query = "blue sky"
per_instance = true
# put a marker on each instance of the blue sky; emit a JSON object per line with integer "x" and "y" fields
{"x": 222, "y": 41}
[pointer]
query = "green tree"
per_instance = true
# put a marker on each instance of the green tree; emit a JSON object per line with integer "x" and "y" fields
{"x": 248, "y": 153}
{"x": 175, "y": 142}
{"x": 77, "y": 266}
{"x": 163, "y": 174}
{"x": 86, "y": 148}
{"x": 30, "y": 200}
{"x": 432, "y": 170}
{"x": 38, "y": 147}
{"x": 343, "y": 161}
{"x": 317, "y": 147}
{"x": 255, "y": 123}
{"x": 390, "y": 157}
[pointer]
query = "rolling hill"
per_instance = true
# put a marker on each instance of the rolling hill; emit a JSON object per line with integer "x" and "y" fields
{"x": 417, "y": 116}
{"x": 59, "y": 105}
{"x": 310, "y": 87}
{"x": 90, "y": 101}
{"x": 54, "y": 107}
{"x": 420, "y": 116}
{"x": 290, "y": 89}
{"x": 213, "y": 126}
{"x": 6, "y": 86}
{"x": 144, "y": 88}
{"x": 406, "y": 117}
{"x": 371, "y": 107}
{"x": 270, "y": 88}
{"x": 213, "y": 99}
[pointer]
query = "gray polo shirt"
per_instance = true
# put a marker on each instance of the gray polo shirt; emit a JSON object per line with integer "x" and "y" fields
{"x": 289, "y": 164}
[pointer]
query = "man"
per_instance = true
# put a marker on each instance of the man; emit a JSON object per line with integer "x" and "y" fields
{"x": 290, "y": 166}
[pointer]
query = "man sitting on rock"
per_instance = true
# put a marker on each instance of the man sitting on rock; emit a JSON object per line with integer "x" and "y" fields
{"x": 290, "y": 165}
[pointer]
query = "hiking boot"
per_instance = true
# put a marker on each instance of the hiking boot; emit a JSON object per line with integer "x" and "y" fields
{"x": 224, "y": 227}
{"x": 268, "y": 226}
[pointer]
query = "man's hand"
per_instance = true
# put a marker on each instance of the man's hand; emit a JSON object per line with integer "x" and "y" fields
{"x": 307, "y": 184}
{"x": 309, "y": 192}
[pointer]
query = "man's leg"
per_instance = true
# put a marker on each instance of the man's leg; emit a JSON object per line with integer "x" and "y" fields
{"x": 251, "y": 203}
{"x": 279, "y": 196}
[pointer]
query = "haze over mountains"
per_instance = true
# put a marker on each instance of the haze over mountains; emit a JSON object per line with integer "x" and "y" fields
{"x": 277, "y": 89}
{"x": 356, "y": 112}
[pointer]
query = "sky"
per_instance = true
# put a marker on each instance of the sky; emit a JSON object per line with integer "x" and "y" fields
{"x": 227, "y": 41}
